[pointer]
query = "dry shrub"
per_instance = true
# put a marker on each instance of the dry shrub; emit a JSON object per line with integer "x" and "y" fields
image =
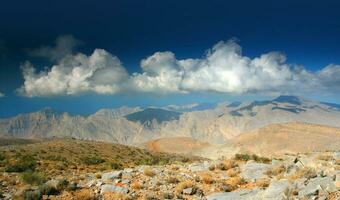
{"x": 325, "y": 157}
{"x": 183, "y": 185}
{"x": 212, "y": 167}
{"x": 207, "y": 178}
{"x": 234, "y": 182}
{"x": 115, "y": 196}
{"x": 263, "y": 183}
{"x": 149, "y": 172}
{"x": 136, "y": 185}
{"x": 276, "y": 170}
{"x": 233, "y": 172}
{"x": 227, "y": 164}
{"x": 172, "y": 180}
{"x": 303, "y": 173}
{"x": 98, "y": 175}
{"x": 84, "y": 194}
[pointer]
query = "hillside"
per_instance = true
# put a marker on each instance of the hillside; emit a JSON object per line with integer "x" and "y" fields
{"x": 180, "y": 145}
{"x": 289, "y": 138}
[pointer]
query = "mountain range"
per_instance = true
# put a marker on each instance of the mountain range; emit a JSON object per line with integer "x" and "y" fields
{"x": 215, "y": 124}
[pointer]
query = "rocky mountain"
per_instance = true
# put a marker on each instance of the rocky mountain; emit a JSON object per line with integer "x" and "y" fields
{"x": 215, "y": 125}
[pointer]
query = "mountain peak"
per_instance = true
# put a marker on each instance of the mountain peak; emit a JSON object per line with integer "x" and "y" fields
{"x": 288, "y": 99}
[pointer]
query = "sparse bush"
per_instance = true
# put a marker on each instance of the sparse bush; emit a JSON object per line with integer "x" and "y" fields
{"x": 98, "y": 175}
{"x": 48, "y": 190}
{"x": 212, "y": 167}
{"x": 85, "y": 194}
{"x": 207, "y": 178}
{"x": 33, "y": 178}
{"x": 233, "y": 172}
{"x": 303, "y": 173}
{"x": 325, "y": 157}
{"x": 25, "y": 163}
{"x": 227, "y": 164}
{"x": 2, "y": 156}
{"x": 149, "y": 172}
{"x": 136, "y": 185}
{"x": 172, "y": 180}
{"x": 243, "y": 157}
{"x": 116, "y": 166}
{"x": 56, "y": 158}
{"x": 263, "y": 183}
{"x": 183, "y": 185}
{"x": 246, "y": 157}
{"x": 62, "y": 184}
{"x": 32, "y": 195}
{"x": 233, "y": 183}
{"x": 276, "y": 170}
{"x": 93, "y": 160}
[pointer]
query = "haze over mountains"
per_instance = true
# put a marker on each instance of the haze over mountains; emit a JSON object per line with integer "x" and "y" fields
{"x": 215, "y": 125}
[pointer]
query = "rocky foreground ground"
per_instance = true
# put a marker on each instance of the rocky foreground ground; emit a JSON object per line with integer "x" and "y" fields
{"x": 305, "y": 176}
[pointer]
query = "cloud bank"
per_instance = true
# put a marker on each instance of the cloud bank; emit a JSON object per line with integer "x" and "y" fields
{"x": 1, "y": 94}
{"x": 223, "y": 69}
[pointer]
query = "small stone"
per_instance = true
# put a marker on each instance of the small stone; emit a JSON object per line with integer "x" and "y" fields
{"x": 113, "y": 188}
{"x": 111, "y": 175}
{"x": 188, "y": 191}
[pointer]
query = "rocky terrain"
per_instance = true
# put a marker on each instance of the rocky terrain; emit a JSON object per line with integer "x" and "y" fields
{"x": 242, "y": 176}
{"x": 213, "y": 124}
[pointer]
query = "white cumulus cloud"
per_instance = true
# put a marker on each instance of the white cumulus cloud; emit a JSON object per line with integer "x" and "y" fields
{"x": 100, "y": 72}
{"x": 222, "y": 69}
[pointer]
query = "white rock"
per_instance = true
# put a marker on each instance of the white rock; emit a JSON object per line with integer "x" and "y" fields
{"x": 111, "y": 175}
{"x": 253, "y": 171}
{"x": 113, "y": 188}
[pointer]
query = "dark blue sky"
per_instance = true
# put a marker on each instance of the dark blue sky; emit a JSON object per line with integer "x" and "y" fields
{"x": 308, "y": 32}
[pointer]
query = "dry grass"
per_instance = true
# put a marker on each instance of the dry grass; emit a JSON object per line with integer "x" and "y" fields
{"x": 303, "y": 173}
{"x": 136, "y": 185}
{"x": 149, "y": 172}
{"x": 84, "y": 194}
{"x": 325, "y": 157}
{"x": 227, "y": 164}
{"x": 276, "y": 170}
{"x": 115, "y": 196}
{"x": 234, "y": 182}
{"x": 183, "y": 185}
{"x": 207, "y": 178}
{"x": 263, "y": 183}
{"x": 172, "y": 180}
{"x": 233, "y": 172}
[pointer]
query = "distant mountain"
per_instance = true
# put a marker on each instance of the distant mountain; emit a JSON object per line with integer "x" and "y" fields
{"x": 215, "y": 125}
{"x": 149, "y": 114}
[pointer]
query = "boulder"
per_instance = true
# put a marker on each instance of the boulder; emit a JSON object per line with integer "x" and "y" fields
{"x": 253, "y": 171}
{"x": 111, "y": 175}
{"x": 277, "y": 190}
{"x": 318, "y": 185}
{"x": 243, "y": 194}
{"x": 113, "y": 188}
{"x": 198, "y": 167}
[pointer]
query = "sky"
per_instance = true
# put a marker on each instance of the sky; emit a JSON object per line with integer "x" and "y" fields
{"x": 80, "y": 56}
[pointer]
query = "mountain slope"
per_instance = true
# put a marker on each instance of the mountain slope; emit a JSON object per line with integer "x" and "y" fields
{"x": 289, "y": 138}
{"x": 135, "y": 125}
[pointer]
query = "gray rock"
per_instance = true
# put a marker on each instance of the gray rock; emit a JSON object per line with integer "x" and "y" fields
{"x": 198, "y": 167}
{"x": 277, "y": 190}
{"x": 239, "y": 195}
{"x": 253, "y": 171}
{"x": 188, "y": 191}
{"x": 318, "y": 185}
{"x": 336, "y": 155}
{"x": 52, "y": 183}
{"x": 113, "y": 188}
{"x": 111, "y": 175}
